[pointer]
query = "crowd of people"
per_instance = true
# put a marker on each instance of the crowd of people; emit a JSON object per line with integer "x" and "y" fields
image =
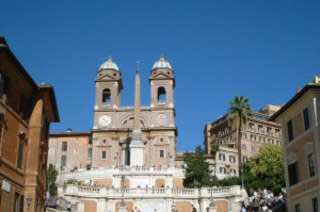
{"x": 265, "y": 201}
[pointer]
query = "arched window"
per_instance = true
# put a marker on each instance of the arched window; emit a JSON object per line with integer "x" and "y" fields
{"x": 129, "y": 123}
{"x": 106, "y": 96}
{"x": 162, "y": 95}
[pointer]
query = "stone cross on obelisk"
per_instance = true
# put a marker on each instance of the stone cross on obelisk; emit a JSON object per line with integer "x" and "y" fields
{"x": 136, "y": 144}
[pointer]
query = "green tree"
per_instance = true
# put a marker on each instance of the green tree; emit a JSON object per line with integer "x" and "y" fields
{"x": 197, "y": 170}
{"x": 239, "y": 112}
{"x": 51, "y": 180}
{"x": 229, "y": 181}
{"x": 265, "y": 170}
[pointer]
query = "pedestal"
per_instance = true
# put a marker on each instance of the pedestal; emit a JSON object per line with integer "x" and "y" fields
{"x": 212, "y": 209}
{"x": 123, "y": 208}
{"x": 136, "y": 149}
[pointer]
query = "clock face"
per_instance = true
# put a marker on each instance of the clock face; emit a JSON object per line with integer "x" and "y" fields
{"x": 104, "y": 120}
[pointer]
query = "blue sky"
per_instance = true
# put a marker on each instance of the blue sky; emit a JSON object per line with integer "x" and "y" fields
{"x": 263, "y": 50}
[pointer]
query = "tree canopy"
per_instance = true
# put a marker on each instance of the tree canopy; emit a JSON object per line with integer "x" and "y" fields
{"x": 239, "y": 108}
{"x": 197, "y": 170}
{"x": 265, "y": 170}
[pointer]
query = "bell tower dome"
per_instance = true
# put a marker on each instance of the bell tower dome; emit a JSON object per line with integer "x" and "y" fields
{"x": 162, "y": 83}
{"x": 108, "y": 86}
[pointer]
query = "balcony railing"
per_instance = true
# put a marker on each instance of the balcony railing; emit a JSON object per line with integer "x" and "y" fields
{"x": 206, "y": 192}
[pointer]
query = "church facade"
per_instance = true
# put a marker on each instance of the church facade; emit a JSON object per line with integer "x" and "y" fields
{"x": 111, "y": 134}
{"x": 127, "y": 162}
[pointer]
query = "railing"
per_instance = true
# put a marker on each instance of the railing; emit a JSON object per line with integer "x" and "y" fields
{"x": 219, "y": 190}
{"x": 83, "y": 190}
{"x": 122, "y": 169}
{"x": 89, "y": 189}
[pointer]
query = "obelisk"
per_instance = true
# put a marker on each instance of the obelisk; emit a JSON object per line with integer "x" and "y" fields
{"x": 136, "y": 144}
{"x": 137, "y": 101}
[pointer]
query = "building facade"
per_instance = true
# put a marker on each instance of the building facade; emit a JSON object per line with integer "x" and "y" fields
{"x": 113, "y": 124}
{"x": 26, "y": 111}
{"x": 133, "y": 164}
{"x": 255, "y": 133}
{"x": 70, "y": 151}
{"x": 299, "y": 119}
{"x": 225, "y": 163}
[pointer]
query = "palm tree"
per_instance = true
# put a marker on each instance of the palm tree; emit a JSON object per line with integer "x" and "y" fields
{"x": 239, "y": 111}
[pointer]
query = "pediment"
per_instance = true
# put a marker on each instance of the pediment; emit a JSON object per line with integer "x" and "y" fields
{"x": 107, "y": 77}
{"x": 161, "y": 76}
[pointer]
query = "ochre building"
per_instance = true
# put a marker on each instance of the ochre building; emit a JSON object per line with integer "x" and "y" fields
{"x": 26, "y": 111}
{"x": 299, "y": 119}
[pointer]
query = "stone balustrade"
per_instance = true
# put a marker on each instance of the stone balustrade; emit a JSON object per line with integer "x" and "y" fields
{"x": 86, "y": 175}
{"x": 103, "y": 192}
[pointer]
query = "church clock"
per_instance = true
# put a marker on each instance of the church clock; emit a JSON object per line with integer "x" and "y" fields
{"x": 104, "y": 120}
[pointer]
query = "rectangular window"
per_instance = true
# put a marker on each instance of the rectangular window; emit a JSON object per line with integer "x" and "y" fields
{"x": 103, "y": 155}
{"x": 269, "y": 130}
{"x": 63, "y": 161}
{"x": 311, "y": 165}
{"x": 161, "y": 153}
{"x": 20, "y": 153}
{"x": 18, "y": 203}
{"x": 306, "y": 119}
{"x": 21, "y": 203}
{"x": 315, "y": 204}
{"x": 293, "y": 173}
{"x": 297, "y": 208}
{"x": 89, "y": 152}
{"x": 290, "y": 130}
{"x": 64, "y": 146}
